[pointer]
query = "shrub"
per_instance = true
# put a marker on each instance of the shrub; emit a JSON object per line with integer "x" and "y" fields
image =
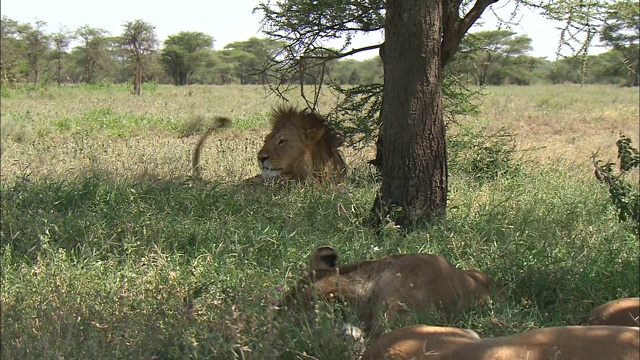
{"x": 481, "y": 155}
{"x": 624, "y": 196}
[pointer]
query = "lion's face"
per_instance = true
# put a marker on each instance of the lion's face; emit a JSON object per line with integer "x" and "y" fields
{"x": 391, "y": 285}
{"x": 301, "y": 145}
{"x": 286, "y": 151}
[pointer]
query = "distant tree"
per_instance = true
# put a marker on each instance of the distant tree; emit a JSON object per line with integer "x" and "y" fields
{"x": 520, "y": 70}
{"x": 61, "y": 41}
{"x": 12, "y": 57}
{"x": 567, "y": 70}
{"x": 621, "y": 31}
{"x": 495, "y": 50}
{"x": 36, "y": 44}
{"x": 606, "y": 68}
{"x": 240, "y": 65}
{"x": 354, "y": 72}
{"x": 153, "y": 70}
{"x": 354, "y": 77}
{"x": 371, "y": 70}
{"x": 211, "y": 68}
{"x": 346, "y": 72}
{"x": 119, "y": 69}
{"x": 93, "y": 50}
{"x": 183, "y": 53}
{"x": 251, "y": 57}
{"x": 139, "y": 41}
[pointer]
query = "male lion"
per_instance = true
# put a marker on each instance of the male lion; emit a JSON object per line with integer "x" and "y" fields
{"x": 301, "y": 146}
{"x": 621, "y": 312}
{"x": 393, "y": 285}
{"x": 422, "y": 342}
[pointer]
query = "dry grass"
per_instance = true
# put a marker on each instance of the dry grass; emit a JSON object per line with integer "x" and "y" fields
{"x": 45, "y": 133}
{"x": 565, "y": 122}
{"x": 61, "y": 132}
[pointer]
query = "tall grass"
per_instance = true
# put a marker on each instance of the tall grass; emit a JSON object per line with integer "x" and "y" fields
{"x": 109, "y": 252}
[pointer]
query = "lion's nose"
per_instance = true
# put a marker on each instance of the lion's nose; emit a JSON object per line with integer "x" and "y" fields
{"x": 263, "y": 158}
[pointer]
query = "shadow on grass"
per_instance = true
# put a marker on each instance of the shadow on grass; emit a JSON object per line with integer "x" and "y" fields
{"x": 100, "y": 216}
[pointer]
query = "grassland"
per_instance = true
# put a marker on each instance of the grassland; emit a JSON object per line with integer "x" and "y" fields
{"x": 108, "y": 252}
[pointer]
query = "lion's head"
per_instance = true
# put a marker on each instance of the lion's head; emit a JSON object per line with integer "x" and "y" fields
{"x": 394, "y": 285}
{"x": 300, "y": 146}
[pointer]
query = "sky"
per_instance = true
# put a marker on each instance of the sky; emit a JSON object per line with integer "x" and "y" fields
{"x": 232, "y": 20}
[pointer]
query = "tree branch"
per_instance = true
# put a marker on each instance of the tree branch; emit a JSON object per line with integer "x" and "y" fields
{"x": 473, "y": 15}
{"x": 342, "y": 55}
{"x": 455, "y": 28}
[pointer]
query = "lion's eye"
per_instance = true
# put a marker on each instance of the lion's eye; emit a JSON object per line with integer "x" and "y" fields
{"x": 282, "y": 141}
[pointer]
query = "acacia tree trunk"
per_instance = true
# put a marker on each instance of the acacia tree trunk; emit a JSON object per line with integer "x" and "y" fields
{"x": 377, "y": 162}
{"x": 414, "y": 170}
{"x": 137, "y": 77}
{"x": 59, "y": 69}
{"x": 36, "y": 73}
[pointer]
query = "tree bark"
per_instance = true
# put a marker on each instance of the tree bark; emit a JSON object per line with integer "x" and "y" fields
{"x": 414, "y": 170}
{"x": 137, "y": 78}
{"x": 59, "y": 70}
{"x": 377, "y": 162}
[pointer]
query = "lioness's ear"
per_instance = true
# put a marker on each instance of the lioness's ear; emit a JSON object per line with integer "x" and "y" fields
{"x": 314, "y": 135}
{"x": 323, "y": 258}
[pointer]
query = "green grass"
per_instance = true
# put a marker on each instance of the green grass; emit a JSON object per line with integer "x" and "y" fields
{"x": 109, "y": 252}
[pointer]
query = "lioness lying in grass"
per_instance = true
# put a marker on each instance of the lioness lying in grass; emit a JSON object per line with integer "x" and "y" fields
{"x": 423, "y": 342}
{"x": 391, "y": 286}
{"x": 621, "y": 312}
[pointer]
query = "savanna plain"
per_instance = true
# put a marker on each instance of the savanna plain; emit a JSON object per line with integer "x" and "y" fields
{"x": 109, "y": 250}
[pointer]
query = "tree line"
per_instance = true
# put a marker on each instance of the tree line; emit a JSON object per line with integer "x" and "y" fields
{"x": 92, "y": 55}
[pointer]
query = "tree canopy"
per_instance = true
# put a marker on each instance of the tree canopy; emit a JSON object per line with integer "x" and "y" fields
{"x": 139, "y": 40}
{"x": 183, "y": 52}
{"x": 621, "y": 31}
{"x": 67, "y": 59}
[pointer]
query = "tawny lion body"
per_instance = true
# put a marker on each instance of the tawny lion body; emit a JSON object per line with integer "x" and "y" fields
{"x": 301, "y": 146}
{"x": 393, "y": 285}
{"x": 424, "y": 342}
{"x": 620, "y": 312}
{"x": 414, "y": 342}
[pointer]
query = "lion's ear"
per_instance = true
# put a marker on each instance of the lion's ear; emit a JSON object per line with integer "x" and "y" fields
{"x": 313, "y": 135}
{"x": 323, "y": 258}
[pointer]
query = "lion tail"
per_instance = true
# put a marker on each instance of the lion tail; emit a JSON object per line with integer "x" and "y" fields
{"x": 219, "y": 122}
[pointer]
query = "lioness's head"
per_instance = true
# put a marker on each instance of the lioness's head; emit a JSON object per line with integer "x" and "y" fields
{"x": 300, "y": 146}
{"x": 324, "y": 260}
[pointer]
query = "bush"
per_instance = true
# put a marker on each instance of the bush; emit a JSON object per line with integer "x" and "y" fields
{"x": 481, "y": 155}
{"x": 624, "y": 196}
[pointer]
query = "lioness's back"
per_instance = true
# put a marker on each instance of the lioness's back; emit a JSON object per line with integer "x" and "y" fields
{"x": 557, "y": 343}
